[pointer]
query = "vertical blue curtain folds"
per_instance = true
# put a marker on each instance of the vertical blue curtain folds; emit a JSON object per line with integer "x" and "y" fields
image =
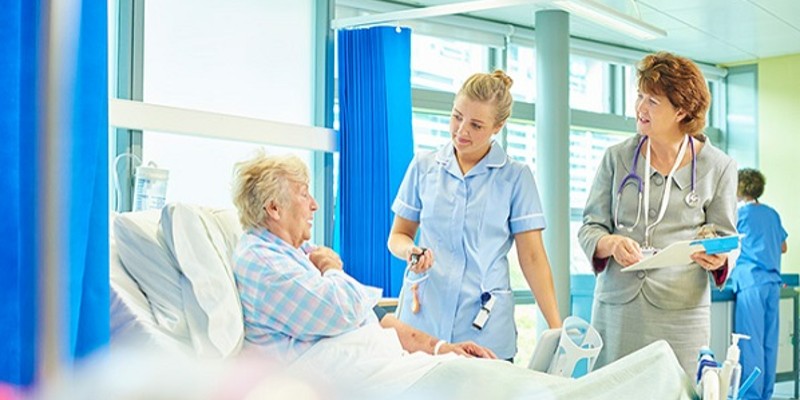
{"x": 17, "y": 63}
{"x": 375, "y": 148}
{"x": 84, "y": 326}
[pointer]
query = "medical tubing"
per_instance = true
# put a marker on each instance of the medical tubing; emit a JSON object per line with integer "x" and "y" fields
{"x": 406, "y": 279}
{"x": 634, "y": 163}
{"x": 694, "y": 162}
{"x": 117, "y": 186}
{"x": 631, "y": 176}
{"x": 647, "y": 194}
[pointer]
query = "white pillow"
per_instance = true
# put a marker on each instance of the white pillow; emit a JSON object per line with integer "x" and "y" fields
{"x": 202, "y": 241}
{"x": 148, "y": 262}
{"x": 130, "y": 310}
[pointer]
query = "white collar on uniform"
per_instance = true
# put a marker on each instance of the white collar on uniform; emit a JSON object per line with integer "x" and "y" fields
{"x": 496, "y": 158}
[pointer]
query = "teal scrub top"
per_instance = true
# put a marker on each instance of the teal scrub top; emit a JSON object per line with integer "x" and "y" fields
{"x": 469, "y": 221}
{"x": 760, "y": 258}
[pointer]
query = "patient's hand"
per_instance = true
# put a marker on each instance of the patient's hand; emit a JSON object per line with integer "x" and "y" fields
{"x": 468, "y": 349}
{"x": 324, "y": 258}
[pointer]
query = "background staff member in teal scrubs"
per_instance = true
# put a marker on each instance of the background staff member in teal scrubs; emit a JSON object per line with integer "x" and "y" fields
{"x": 469, "y": 201}
{"x": 756, "y": 281}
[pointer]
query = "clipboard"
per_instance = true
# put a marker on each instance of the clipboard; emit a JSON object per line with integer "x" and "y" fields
{"x": 679, "y": 253}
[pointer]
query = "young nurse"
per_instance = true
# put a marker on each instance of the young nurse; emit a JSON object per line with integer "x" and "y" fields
{"x": 470, "y": 201}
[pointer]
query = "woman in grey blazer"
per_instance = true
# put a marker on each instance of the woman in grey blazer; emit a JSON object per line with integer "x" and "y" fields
{"x": 690, "y": 184}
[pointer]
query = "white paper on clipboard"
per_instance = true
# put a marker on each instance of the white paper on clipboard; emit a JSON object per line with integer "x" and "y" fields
{"x": 680, "y": 253}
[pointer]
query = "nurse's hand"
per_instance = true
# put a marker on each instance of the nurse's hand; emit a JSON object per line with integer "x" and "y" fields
{"x": 424, "y": 259}
{"x": 710, "y": 262}
{"x": 467, "y": 349}
{"x": 625, "y": 250}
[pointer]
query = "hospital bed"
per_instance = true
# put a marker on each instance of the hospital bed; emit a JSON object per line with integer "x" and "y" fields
{"x": 173, "y": 289}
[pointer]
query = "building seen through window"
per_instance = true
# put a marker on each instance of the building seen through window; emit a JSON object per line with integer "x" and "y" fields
{"x": 589, "y": 84}
{"x": 521, "y": 66}
{"x": 442, "y": 64}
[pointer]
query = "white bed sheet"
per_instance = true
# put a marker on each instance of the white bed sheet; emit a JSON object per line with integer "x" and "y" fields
{"x": 650, "y": 373}
{"x": 370, "y": 364}
{"x": 365, "y": 363}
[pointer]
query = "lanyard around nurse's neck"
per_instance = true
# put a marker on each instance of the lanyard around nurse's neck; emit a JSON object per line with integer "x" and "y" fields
{"x": 667, "y": 188}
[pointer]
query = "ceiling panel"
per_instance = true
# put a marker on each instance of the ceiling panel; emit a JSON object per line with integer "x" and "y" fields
{"x": 786, "y": 10}
{"x": 712, "y": 31}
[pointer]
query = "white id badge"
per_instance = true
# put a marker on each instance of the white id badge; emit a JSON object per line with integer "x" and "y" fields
{"x": 483, "y": 313}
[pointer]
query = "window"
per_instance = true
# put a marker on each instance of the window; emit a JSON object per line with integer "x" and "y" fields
{"x": 203, "y": 174}
{"x": 215, "y": 58}
{"x": 589, "y": 84}
{"x": 525, "y": 315}
{"x": 430, "y": 131}
{"x": 631, "y": 91}
{"x": 210, "y": 61}
{"x": 521, "y": 142}
{"x": 521, "y": 68}
{"x": 586, "y": 151}
{"x": 444, "y": 64}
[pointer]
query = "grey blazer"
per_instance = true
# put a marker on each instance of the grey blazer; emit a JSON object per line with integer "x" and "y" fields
{"x": 673, "y": 288}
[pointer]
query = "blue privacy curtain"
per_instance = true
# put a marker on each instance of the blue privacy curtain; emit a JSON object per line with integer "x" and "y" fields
{"x": 81, "y": 202}
{"x": 375, "y": 149}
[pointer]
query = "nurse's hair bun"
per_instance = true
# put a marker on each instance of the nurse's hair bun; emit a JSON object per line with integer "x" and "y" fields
{"x": 494, "y": 88}
{"x": 500, "y": 74}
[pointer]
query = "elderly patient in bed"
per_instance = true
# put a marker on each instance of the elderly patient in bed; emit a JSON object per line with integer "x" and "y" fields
{"x": 302, "y": 308}
{"x": 304, "y": 288}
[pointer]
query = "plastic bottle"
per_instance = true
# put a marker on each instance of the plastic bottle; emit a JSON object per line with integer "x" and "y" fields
{"x": 705, "y": 359}
{"x": 709, "y": 384}
{"x": 150, "y": 187}
{"x": 731, "y": 371}
{"x": 736, "y": 377}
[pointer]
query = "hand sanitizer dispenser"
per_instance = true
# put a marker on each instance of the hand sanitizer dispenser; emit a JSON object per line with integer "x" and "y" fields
{"x": 731, "y": 372}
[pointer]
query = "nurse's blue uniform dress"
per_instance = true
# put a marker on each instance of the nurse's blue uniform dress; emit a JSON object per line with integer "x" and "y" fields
{"x": 469, "y": 222}
{"x": 756, "y": 281}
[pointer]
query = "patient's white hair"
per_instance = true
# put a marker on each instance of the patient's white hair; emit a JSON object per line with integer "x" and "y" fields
{"x": 262, "y": 180}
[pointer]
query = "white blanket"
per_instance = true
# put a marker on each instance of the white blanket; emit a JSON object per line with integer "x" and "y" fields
{"x": 650, "y": 373}
{"x": 366, "y": 363}
{"x": 369, "y": 363}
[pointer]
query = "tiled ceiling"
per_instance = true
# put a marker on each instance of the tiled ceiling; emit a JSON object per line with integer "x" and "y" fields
{"x": 712, "y": 31}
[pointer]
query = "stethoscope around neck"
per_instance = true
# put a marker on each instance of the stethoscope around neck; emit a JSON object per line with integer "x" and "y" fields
{"x": 643, "y": 187}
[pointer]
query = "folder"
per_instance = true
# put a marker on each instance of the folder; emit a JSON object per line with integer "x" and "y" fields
{"x": 679, "y": 253}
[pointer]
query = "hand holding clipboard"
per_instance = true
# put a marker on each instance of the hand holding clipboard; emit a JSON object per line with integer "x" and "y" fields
{"x": 679, "y": 253}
